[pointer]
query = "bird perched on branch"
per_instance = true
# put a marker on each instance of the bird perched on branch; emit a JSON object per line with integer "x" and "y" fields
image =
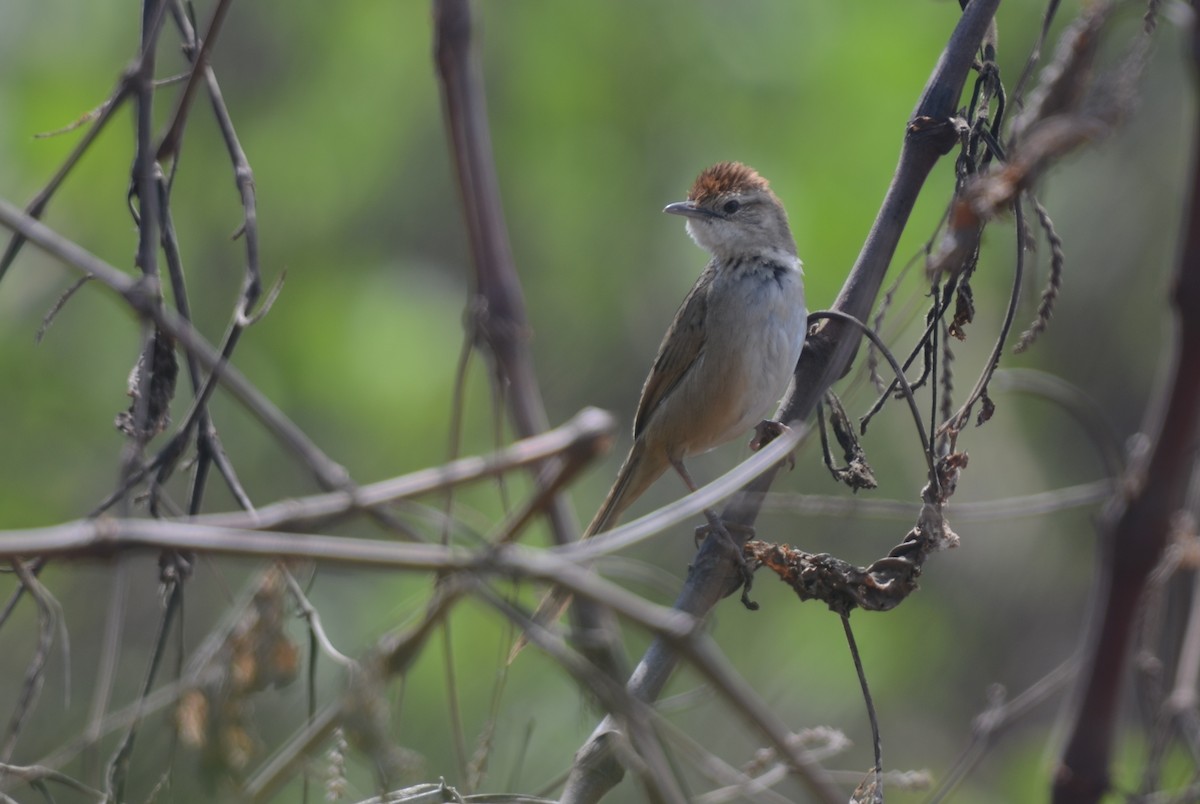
{"x": 730, "y": 352}
{"x": 733, "y": 346}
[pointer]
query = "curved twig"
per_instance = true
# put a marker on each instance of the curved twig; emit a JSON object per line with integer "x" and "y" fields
{"x": 905, "y": 389}
{"x": 954, "y": 425}
{"x": 876, "y": 741}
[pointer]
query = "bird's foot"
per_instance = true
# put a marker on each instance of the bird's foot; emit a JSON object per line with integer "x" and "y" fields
{"x": 725, "y": 531}
{"x": 767, "y": 431}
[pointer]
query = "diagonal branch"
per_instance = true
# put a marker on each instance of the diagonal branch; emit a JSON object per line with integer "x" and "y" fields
{"x": 827, "y": 356}
{"x": 328, "y": 473}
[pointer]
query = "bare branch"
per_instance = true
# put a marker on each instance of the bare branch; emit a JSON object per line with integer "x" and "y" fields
{"x": 1136, "y": 526}
{"x": 328, "y": 473}
{"x": 49, "y": 619}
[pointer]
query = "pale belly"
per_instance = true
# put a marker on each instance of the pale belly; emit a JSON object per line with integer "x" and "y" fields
{"x": 756, "y": 334}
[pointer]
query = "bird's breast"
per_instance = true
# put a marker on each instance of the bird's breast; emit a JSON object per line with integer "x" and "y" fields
{"x": 755, "y": 331}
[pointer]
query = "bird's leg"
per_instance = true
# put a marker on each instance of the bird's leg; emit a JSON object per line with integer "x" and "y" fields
{"x": 717, "y": 526}
{"x": 714, "y": 521}
{"x": 767, "y": 431}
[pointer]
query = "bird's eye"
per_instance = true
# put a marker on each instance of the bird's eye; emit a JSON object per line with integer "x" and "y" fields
{"x": 731, "y": 207}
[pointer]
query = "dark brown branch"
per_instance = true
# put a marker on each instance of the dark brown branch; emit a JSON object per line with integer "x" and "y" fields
{"x": 168, "y": 147}
{"x": 1135, "y": 529}
{"x": 152, "y": 382}
{"x": 502, "y": 325}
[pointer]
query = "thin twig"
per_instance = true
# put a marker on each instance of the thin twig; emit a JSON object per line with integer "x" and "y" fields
{"x": 37, "y": 206}
{"x": 32, "y": 773}
{"x": 168, "y": 147}
{"x": 53, "y": 312}
{"x": 327, "y": 472}
{"x": 1053, "y": 282}
{"x": 1035, "y": 55}
{"x": 954, "y": 425}
{"x": 934, "y": 319}
{"x": 49, "y": 617}
{"x": 881, "y": 347}
{"x": 876, "y": 740}
{"x": 1002, "y": 509}
{"x": 110, "y": 649}
{"x": 313, "y": 617}
{"x": 589, "y": 432}
{"x": 118, "y": 764}
{"x": 1000, "y": 716}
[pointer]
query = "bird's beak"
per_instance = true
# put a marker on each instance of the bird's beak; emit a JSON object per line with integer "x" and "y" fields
{"x": 688, "y": 210}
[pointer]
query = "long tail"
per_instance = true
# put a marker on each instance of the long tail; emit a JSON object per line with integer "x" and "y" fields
{"x": 637, "y": 473}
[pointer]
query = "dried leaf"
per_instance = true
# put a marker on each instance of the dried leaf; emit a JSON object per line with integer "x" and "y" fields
{"x": 986, "y": 409}
{"x": 164, "y": 371}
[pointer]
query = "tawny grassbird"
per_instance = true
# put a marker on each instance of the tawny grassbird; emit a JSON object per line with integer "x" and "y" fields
{"x": 733, "y": 346}
{"x": 730, "y": 351}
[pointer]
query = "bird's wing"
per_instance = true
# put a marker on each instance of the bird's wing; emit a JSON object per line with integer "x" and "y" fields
{"x": 680, "y": 347}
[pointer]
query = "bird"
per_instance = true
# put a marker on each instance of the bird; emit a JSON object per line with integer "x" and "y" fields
{"x": 732, "y": 347}
{"x": 731, "y": 350}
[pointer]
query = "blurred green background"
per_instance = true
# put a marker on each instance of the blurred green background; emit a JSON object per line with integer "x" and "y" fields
{"x": 602, "y": 112}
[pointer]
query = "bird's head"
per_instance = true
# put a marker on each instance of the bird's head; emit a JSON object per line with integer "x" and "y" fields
{"x": 732, "y": 213}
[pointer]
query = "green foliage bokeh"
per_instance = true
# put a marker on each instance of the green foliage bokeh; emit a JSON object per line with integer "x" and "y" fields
{"x": 601, "y": 113}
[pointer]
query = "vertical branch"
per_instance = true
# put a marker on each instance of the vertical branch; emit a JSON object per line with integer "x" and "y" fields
{"x": 143, "y": 182}
{"x": 143, "y": 186}
{"x": 1135, "y": 529}
{"x": 502, "y": 324}
{"x": 208, "y": 445}
{"x": 505, "y": 328}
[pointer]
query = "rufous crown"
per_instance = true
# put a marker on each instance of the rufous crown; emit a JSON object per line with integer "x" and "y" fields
{"x": 725, "y": 178}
